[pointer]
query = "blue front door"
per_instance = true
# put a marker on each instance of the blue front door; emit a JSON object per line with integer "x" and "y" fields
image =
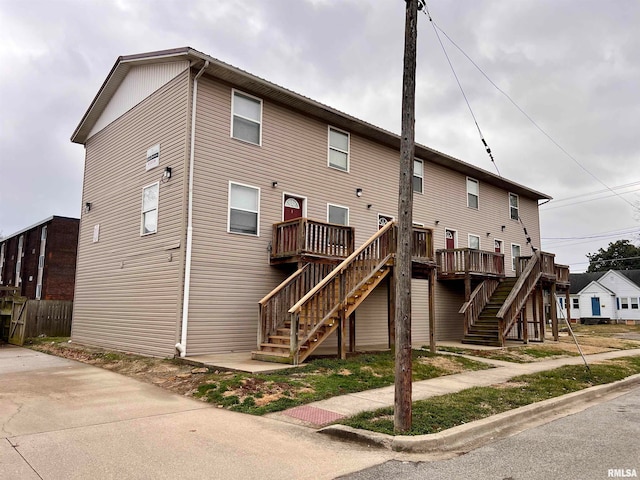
{"x": 595, "y": 306}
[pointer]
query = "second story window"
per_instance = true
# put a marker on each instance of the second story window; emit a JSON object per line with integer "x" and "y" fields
{"x": 473, "y": 193}
{"x": 474, "y": 241}
{"x": 247, "y": 118}
{"x": 150, "y": 209}
{"x": 418, "y": 176}
{"x": 514, "y": 206}
{"x": 338, "y": 149}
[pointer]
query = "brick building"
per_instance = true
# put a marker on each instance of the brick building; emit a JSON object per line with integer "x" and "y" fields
{"x": 41, "y": 259}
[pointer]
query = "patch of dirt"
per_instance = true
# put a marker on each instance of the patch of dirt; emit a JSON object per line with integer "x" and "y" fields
{"x": 505, "y": 385}
{"x": 344, "y": 372}
{"x": 370, "y": 370}
{"x": 177, "y": 377}
{"x": 443, "y": 363}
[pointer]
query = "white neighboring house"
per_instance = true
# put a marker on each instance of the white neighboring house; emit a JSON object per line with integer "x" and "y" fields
{"x": 612, "y": 296}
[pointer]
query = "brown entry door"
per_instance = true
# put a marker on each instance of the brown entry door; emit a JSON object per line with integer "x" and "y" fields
{"x": 293, "y": 207}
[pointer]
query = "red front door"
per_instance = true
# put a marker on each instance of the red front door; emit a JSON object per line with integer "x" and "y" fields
{"x": 450, "y": 244}
{"x": 293, "y": 207}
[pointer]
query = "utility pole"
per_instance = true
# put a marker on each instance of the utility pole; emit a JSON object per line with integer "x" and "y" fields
{"x": 402, "y": 270}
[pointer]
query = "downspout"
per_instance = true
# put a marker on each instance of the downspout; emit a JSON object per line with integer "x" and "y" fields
{"x": 182, "y": 346}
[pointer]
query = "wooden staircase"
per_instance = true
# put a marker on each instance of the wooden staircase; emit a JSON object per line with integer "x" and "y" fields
{"x": 313, "y": 314}
{"x": 486, "y": 328}
{"x": 494, "y": 307}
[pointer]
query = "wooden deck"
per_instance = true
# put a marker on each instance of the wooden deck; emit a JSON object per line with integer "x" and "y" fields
{"x": 459, "y": 263}
{"x": 304, "y": 240}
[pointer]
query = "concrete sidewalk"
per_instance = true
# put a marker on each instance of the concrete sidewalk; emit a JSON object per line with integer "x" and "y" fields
{"x": 65, "y": 420}
{"x": 324, "y": 412}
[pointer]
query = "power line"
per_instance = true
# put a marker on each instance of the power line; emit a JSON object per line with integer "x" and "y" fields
{"x": 436, "y": 27}
{"x": 554, "y": 207}
{"x": 444, "y": 50}
{"x": 623, "y": 231}
{"x": 617, "y": 187}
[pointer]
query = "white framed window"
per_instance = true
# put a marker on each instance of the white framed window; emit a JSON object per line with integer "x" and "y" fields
{"x": 38, "y": 291}
{"x": 2, "y": 254}
{"x": 561, "y": 302}
{"x": 246, "y": 122}
{"x": 19, "y": 261}
{"x": 337, "y": 214}
{"x": 473, "y": 193}
{"x": 418, "y": 176}
{"x": 41, "y": 261}
{"x": 514, "y": 206}
{"x": 515, "y": 253}
{"x": 624, "y": 303}
{"x": 43, "y": 233}
{"x": 474, "y": 241}
{"x": 634, "y": 303}
{"x": 338, "y": 149}
{"x": 150, "y": 209}
{"x": 244, "y": 209}
{"x": 575, "y": 303}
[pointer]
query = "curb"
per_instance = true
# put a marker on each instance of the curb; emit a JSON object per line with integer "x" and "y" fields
{"x": 487, "y": 429}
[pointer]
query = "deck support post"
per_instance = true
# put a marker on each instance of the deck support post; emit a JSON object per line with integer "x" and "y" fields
{"x": 543, "y": 325}
{"x": 352, "y": 332}
{"x": 554, "y": 312}
{"x": 525, "y": 323}
{"x": 536, "y": 315}
{"x": 391, "y": 310}
{"x": 432, "y": 311}
{"x": 342, "y": 335}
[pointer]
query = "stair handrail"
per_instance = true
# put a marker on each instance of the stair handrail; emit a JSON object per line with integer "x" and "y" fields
{"x": 273, "y": 313}
{"x": 340, "y": 304}
{"x": 335, "y": 284}
{"x": 517, "y": 298}
{"x": 341, "y": 267}
{"x": 477, "y": 301}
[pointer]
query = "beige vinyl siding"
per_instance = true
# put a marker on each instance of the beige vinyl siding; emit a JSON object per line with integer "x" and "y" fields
{"x": 127, "y": 285}
{"x": 372, "y": 322}
{"x": 231, "y": 272}
{"x": 140, "y": 82}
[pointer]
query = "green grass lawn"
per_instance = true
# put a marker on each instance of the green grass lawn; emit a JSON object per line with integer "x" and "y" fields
{"x": 446, "y": 411}
{"x": 320, "y": 379}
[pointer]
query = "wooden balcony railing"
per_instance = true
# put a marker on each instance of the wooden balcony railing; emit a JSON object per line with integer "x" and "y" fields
{"x": 562, "y": 275}
{"x": 462, "y": 261}
{"x": 422, "y": 246}
{"x": 309, "y": 237}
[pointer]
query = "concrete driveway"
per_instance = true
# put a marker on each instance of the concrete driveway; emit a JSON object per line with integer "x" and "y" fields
{"x": 61, "y": 419}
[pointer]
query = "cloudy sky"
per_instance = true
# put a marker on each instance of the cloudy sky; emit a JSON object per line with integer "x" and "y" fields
{"x": 572, "y": 66}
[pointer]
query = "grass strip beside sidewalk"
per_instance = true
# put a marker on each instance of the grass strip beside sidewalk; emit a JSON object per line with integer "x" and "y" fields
{"x": 446, "y": 411}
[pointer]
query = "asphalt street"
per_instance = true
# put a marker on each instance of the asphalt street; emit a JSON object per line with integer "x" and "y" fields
{"x": 598, "y": 443}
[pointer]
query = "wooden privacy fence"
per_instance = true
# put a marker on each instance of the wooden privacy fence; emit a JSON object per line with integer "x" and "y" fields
{"x": 51, "y": 318}
{"x": 32, "y": 318}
